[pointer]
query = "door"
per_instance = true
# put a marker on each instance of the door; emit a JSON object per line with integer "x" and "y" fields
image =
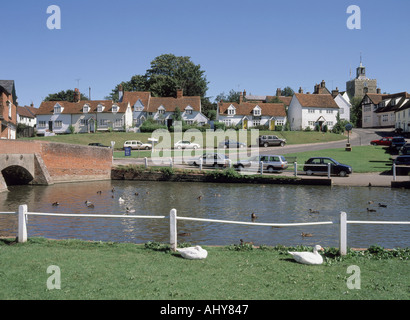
{"x": 245, "y": 124}
{"x": 50, "y": 126}
{"x": 272, "y": 125}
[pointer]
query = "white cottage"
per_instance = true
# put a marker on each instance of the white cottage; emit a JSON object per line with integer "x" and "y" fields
{"x": 309, "y": 110}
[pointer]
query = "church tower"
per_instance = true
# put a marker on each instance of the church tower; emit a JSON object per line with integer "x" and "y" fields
{"x": 361, "y": 85}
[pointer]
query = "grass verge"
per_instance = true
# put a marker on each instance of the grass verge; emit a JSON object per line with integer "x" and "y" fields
{"x": 107, "y": 270}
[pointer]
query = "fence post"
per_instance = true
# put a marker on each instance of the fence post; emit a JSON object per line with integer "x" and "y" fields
{"x": 343, "y": 233}
{"x": 261, "y": 167}
{"x": 200, "y": 163}
{"x": 173, "y": 229}
{"x": 22, "y": 228}
{"x": 170, "y": 163}
{"x": 328, "y": 170}
{"x": 394, "y": 171}
{"x": 146, "y": 162}
{"x": 295, "y": 165}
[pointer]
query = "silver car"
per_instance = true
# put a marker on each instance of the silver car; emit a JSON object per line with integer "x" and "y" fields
{"x": 210, "y": 160}
{"x": 271, "y": 163}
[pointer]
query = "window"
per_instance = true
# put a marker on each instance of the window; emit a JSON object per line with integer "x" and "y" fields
{"x": 311, "y": 123}
{"x": 256, "y": 112}
{"x": 86, "y": 109}
{"x": 311, "y": 110}
{"x": 329, "y": 111}
{"x": 189, "y": 122}
{"x": 83, "y": 122}
{"x": 279, "y": 122}
{"x": 103, "y": 122}
{"x": 58, "y": 124}
{"x": 227, "y": 122}
{"x": 256, "y": 123}
{"x": 57, "y": 109}
{"x": 100, "y": 108}
{"x": 9, "y": 105}
{"x": 42, "y": 124}
{"x": 114, "y": 109}
{"x": 188, "y": 111}
{"x": 161, "y": 111}
{"x": 118, "y": 122}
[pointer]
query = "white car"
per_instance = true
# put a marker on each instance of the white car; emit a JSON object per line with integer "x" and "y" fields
{"x": 210, "y": 160}
{"x": 137, "y": 145}
{"x": 183, "y": 144}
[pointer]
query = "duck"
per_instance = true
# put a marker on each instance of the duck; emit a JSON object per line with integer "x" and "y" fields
{"x": 130, "y": 210}
{"x": 245, "y": 243}
{"x": 88, "y": 203}
{"x": 308, "y": 257}
{"x": 55, "y": 204}
{"x": 121, "y": 200}
{"x": 113, "y": 189}
{"x": 136, "y": 193}
{"x": 306, "y": 234}
{"x": 184, "y": 234}
{"x": 382, "y": 205}
{"x": 193, "y": 253}
{"x": 253, "y": 216}
{"x": 199, "y": 198}
{"x": 370, "y": 202}
{"x": 313, "y": 211}
{"x": 99, "y": 192}
{"x": 370, "y": 210}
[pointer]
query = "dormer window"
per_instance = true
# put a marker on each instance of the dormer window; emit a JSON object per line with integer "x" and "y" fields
{"x": 86, "y": 108}
{"x": 138, "y": 106}
{"x": 58, "y": 108}
{"x": 114, "y": 109}
{"x": 257, "y": 111}
{"x": 100, "y": 108}
{"x": 231, "y": 110}
{"x": 188, "y": 110}
{"x": 161, "y": 110}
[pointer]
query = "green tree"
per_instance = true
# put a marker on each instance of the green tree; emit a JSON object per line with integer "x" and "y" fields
{"x": 232, "y": 96}
{"x": 356, "y": 112}
{"x": 287, "y": 92}
{"x": 167, "y": 74}
{"x": 67, "y": 95}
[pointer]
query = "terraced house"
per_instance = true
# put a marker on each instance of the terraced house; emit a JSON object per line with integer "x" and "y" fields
{"x": 133, "y": 108}
{"x": 8, "y": 110}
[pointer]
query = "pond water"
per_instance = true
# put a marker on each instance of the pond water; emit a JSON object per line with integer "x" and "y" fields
{"x": 270, "y": 203}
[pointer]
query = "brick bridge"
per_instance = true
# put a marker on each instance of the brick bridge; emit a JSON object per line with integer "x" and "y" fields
{"x": 45, "y": 163}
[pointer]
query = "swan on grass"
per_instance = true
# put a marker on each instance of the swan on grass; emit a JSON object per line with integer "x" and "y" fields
{"x": 308, "y": 257}
{"x": 193, "y": 252}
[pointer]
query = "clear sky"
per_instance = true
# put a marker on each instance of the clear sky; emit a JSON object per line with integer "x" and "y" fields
{"x": 256, "y": 45}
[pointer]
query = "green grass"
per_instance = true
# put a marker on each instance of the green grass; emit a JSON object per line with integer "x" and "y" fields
{"x": 97, "y": 270}
{"x": 362, "y": 159}
{"x": 292, "y": 137}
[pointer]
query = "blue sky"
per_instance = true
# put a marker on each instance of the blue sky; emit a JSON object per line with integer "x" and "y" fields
{"x": 257, "y": 45}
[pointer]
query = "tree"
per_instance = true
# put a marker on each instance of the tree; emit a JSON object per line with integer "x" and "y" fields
{"x": 233, "y": 96}
{"x": 288, "y": 92}
{"x": 67, "y": 95}
{"x": 167, "y": 74}
{"x": 356, "y": 112}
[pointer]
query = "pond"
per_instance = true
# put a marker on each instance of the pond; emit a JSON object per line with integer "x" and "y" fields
{"x": 270, "y": 203}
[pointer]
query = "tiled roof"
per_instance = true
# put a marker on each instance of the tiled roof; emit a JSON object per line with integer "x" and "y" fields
{"x": 47, "y": 107}
{"x": 316, "y": 100}
{"x": 170, "y": 103}
{"x": 26, "y": 111}
{"x": 246, "y": 108}
{"x": 375, "y": 98}
{"x": 134, "y": 96}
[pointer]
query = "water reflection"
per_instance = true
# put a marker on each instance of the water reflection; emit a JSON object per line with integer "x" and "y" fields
{"x": 280, "y": 204}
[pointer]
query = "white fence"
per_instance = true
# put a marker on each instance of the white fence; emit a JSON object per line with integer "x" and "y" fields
{"x": 173, "y": 218}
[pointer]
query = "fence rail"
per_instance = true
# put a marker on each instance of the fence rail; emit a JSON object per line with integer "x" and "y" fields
{"x": 173, "y": 218}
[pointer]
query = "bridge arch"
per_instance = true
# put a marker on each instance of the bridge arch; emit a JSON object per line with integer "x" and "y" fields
{"x": 16, "y": 175}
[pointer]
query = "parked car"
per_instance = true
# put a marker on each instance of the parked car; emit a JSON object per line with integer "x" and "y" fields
{"x": 271, "y": 163}
{"x": 183, "y": 144}
{"x": 210, "y": 160}
{"x": 397, "y": 143}
{"x": 137, "y": 145}
{"x": 405, "y": 150}
{"x": 269, "y": 140}
{"x": 386, "y": 141}
{"x": 97, "y": 144}
{"x": 402, "y": 165}
{"x": 320, "y": 165}
{"x": 231, "y": 144}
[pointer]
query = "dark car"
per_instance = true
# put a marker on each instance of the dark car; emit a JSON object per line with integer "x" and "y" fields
{"x": 270, "y": 140}
{"x": 402, "y": 165}
{"x": 231, "y": 144}
{"x": 320, "y": 165}
{"x": 386, "y": 141}
{"x": 397, "y": 143}
{"x": 97, "y": 144}
{"x": 405, "y": 150}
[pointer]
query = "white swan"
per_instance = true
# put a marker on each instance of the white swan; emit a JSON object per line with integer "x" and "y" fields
{"x": 193, "y": 252}
{"x": 130, "y": 210}
{"x": 308, "y": 257}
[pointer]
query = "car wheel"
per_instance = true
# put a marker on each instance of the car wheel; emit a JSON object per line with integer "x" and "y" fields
{"x": 282, "y": 144}
{"x": 241, "y": 146}
{"x": 271, "y": 170}
{"x": 146, "y": 148}
{"x": 343, "y": 173}
{"x": 309, "y": 172}
{"x": 374, "y": 144}
{"x": 240, "y": 167}
{"x": 195, "y": 147}
{"x": 265, "y": 144}
{"x": 179, "y": 147}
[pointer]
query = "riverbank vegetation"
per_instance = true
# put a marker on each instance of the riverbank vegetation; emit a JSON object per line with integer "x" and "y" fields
{"x": 92, "y": 270}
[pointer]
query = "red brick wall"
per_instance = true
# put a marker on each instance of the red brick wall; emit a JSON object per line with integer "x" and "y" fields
{"x": 4, "y": 112}
{"x": 66, "y": 162}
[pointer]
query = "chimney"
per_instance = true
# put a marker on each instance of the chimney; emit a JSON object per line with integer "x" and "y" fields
{"x": 316, "y": 90}
{"x": 77, "y": 95}
{"x": 180, "y": 93}
{"x": 120, "y": 93}
{"x": 323, "y": 84}
{"x": 335, "y": 92}
{"x": 300, "y": 90}
{"x": 278, "y": 92}
{"x": 240, "y": 97}
{"x": 379, "y": 91}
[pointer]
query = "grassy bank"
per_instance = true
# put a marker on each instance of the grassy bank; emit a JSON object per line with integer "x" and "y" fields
{"x": 362, "y": 159}
{"x": 292, "y": 137}
{"x": 96, "y": 270}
